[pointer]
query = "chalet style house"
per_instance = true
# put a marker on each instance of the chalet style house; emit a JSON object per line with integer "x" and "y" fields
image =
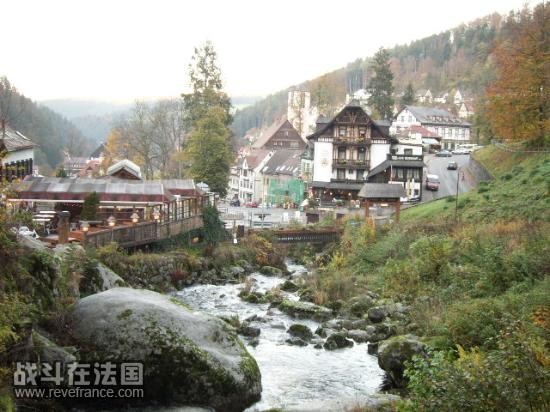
{"x": 344, "y": 149}
{"x": 16, "y": 155}
{"x": 453, "y": 130}
{"x": 280, "y": 135}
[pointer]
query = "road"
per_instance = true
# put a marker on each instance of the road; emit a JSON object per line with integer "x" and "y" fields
{"x": 438, "y": 166}
{"x": 243, "y": 215}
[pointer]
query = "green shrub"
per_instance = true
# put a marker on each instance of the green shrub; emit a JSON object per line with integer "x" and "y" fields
{"x": 511, "y": 378}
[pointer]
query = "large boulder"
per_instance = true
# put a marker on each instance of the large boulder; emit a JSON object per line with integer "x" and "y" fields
{"x": 188, "y": 357}
{"x": 394, "y": 352}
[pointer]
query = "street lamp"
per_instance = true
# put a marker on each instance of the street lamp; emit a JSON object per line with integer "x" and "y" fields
{"x": 134, "y": 217}
{"x": 111, "y": 221}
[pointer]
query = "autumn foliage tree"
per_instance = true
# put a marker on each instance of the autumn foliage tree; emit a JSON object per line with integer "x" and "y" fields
{"x": 519, "y": 100}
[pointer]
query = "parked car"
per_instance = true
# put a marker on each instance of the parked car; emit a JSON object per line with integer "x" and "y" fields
{"x": 432, "y": 182}
{"x": 444, "y": 153}
{"x": 452, "y": 166}
{"x": 251, "y": 204}
{"x": 461, "y": 151}
{"x": 235, "y": 202}
{"x": 25, "y": 231}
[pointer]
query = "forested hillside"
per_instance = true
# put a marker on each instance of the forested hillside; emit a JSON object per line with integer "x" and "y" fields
{"x": 457, "y": 58}
{"x": 51, "y": 132}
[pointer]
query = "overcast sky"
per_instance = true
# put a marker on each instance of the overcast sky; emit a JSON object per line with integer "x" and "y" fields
{"x": 127, "y": 49}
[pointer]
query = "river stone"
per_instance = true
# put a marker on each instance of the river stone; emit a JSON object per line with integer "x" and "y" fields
{"x": 372, "y": 348}
{"x": 236, "y": 271}
{"x": 358, "y": 335}
{"x": 296, "y": 341}
{"x": 289, "y": 286}
{"x": 271, "y": 271}
{"x": 300, "y": 331}
{"x": 377, "y": 314}
{"x": 188, "y": 357}
{"x": 247, "y": 330}
{"x": 394, "y": 352}
{"x": 361, "y": 304}
{"x": 305, "y": 310}
{"x": 336, "y": 341}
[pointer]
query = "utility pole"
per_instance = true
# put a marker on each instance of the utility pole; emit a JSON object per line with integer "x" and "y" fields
{"x": 458, "y": 174}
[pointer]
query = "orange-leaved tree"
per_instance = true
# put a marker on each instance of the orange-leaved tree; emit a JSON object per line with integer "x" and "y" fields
{"x": 519, "y": 99}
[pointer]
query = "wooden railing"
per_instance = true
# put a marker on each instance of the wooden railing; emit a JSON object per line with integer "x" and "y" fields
{"x": 142, "y": 233}
{"x": 314, "y": 236}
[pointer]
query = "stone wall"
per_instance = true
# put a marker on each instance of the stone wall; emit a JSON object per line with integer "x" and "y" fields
{"x": 479, "y": 171}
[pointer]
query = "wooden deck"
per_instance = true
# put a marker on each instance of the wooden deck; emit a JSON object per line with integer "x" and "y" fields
{"x": 141, "y": 233}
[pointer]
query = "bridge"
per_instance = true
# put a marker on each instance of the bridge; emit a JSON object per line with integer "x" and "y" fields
{"x": 307, "y": 236}
{"x": 140, "y": 233}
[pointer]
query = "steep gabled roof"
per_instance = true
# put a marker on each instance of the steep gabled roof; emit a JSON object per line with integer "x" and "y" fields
{"x": 271, "y": 130}
{"x": 352, "y": 105}
{"x": 13, "y": 141}
{"x": 127, "y": 165}
{"x": 99, "y": 151}
{"x": 255, "y": 157}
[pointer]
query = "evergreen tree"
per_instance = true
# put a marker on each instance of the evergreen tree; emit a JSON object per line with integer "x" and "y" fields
{"x": 61, "y": 172}
{"x": 205, "y": 76}
{"x": 409, "y": 96}
{"x": 213, "y": 228}
{"x": 89, "y": 209}
{"x": 209, "y": 150}
{"x": 380, "y": 85}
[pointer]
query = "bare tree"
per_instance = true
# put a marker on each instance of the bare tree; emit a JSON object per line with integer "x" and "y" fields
{"x": 168, "y": 134}
{"x": 10, "y": 108}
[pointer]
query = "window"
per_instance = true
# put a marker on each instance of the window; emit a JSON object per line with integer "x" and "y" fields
{"x": 342, "y": 131}
{"x": 400, "y": 174}
{"x": 413, "y": 174}
{"x": 294, "y": 144}
{"x": 360, "y": 174}
{"x": 401, "y": 119}
{"x": 362, "y": 132}
{"x": 341, "y": 153}
{"x": 408, "y": 151}
{"x": 340, "y": 173}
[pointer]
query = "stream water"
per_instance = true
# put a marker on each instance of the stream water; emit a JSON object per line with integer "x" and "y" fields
{"x": 292, "y": 376}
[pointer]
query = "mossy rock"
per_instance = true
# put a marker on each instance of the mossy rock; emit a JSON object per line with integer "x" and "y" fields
{"x": 188, "y": 358}
{"x": 271, "y": 271}
{"x": 305, "y": 310}
{"x": 337, "y": 341}
{"x": 361, "y": 304}
{"x": 289, "y": 286}
{"x": 300, "y": 331}
{"x": 394, "y": 352}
